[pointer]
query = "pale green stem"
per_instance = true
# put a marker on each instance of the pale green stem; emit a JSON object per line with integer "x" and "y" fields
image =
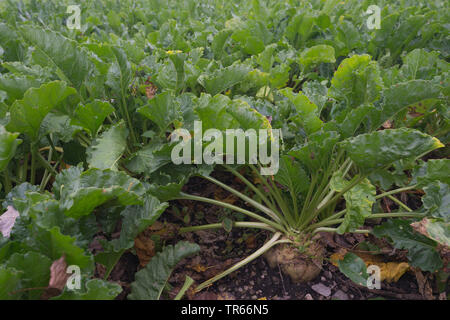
{"x": 255, "y": 225}
{"x": 254, "y": 203}
{"x": 269, "y": 244}
{"x": 234, "y": 208}
{"x": 401, "y": 204}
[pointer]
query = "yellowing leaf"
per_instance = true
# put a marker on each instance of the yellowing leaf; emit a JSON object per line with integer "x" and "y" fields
{"x": 389, "y": 271}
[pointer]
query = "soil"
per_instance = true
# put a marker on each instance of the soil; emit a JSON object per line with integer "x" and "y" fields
{"x": 221, "y": 249}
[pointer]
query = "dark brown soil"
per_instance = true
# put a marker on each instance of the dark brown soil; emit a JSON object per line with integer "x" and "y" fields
{"x": 220, "y": 250}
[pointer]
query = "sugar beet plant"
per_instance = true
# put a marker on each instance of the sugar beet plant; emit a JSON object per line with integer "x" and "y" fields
{"x": 87, "y": 116}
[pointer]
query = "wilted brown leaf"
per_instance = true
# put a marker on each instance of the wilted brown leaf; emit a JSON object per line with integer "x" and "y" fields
{"x": 7, "y": 220}
{"x": 58, "y": 279}
{"x": 145, "y": 249}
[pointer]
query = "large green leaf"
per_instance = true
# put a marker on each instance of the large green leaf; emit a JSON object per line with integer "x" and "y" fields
{"x": 35, "y": 269}
{"x": 9, "y": 283}
{"x": 120, "y": 73}
{"x": 8, "y": 146}
{"x": 321, "y": 53}
{"x": 151, "y": 280}
{"x": 135, "y": 219}
{"x": 90, "y": 116}
{"x": 421, "y": 64}
{"x": 437, "y": 200}
{"x": 292, "y": 175}
{"x": 357, "y": 81}
{"x": 71, "y": 62}
{"x": 247, "y": 117}
{"x": 106, "y": 151}
{"x": 421, "y": 250}
{"x": 27, "y": 114}
{"x": 80, "y": 193}
{"x": 431, "y": 171}
{"x": 212, "y": 112}
{"x": 53, "y": 244}
{"x": 16, "y": 86}
{"x": 380, "y": 148}
{"x": 402, "y": 95}
{"x": 223, "y": 79}
{"x": 162, "y": 109}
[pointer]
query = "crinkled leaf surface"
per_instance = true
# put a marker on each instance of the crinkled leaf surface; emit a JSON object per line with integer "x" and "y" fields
{"x": 52, "y": 49}
{"x": 162, "y": 109}
{"x": 380, "y": 148}
{"x": 151, "y": 280}
{"x": 356, "y": 81}
{"x": 90, "y": 116}
{"x": 421, "y": 250}
{"x": 437, "y": 200}
{"x": 8, "y": 146}
{"x": 81, "y": 192}
{"x": 27, "y": 114}
{"x": 106, "y": 151}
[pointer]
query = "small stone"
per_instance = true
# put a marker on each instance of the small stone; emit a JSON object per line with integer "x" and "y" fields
{"x": 323, "y": 279}
{"x": 222, "y": 288}
{"x": 254, "y": 297}
{"x": 252, "y": 283}
{"x": 328, "y": 274}
{"x": 340, "y": 295}
{"x": 308, "y": 297}
{"x": 321, "y": 289}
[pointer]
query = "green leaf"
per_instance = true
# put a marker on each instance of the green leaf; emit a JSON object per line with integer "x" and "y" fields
{"x": 380, "y": 148}
{"x": 9, "y": 282}
{"x": 402, "y": 95}
{"x": 27, "y": 114}
{"x": 321, "y": 53}
{"x": 292, "y": 175}
{"x": 8, "y": 146}
{"x": 248, "y": 42}
{"x": 35, "y": 269}
{"x": 316, "y": 153}
{"x": 106, "y": 151}
{"x": 248, "y": 117}
{"x": 80, "y": 193}
{"x": 136, "y": 219}
{"x": 151, "y": 280}
{"x": 163, "y": 110}
{"x": 54, "y": 245}
{"x": 71, "y": 62}
{"x": 421, "y": 250}
{"x": 120, "y": 73}
{"x": 91, "y": 115}
{"x": 420, "y": 64}
{"x": 16, "y": 86}
{"x": 212, "y": 112}
{"x": 437, "y": 200}
{"x": 430, "y": 171}
{"x": 223, "y": 79}
{"x": 434, "y": 229}
{"x": 357, "y": 81}
{"x": 358, "y": 202}
{"x": 354, "y": 268}
{"x": 95, "y": 289}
